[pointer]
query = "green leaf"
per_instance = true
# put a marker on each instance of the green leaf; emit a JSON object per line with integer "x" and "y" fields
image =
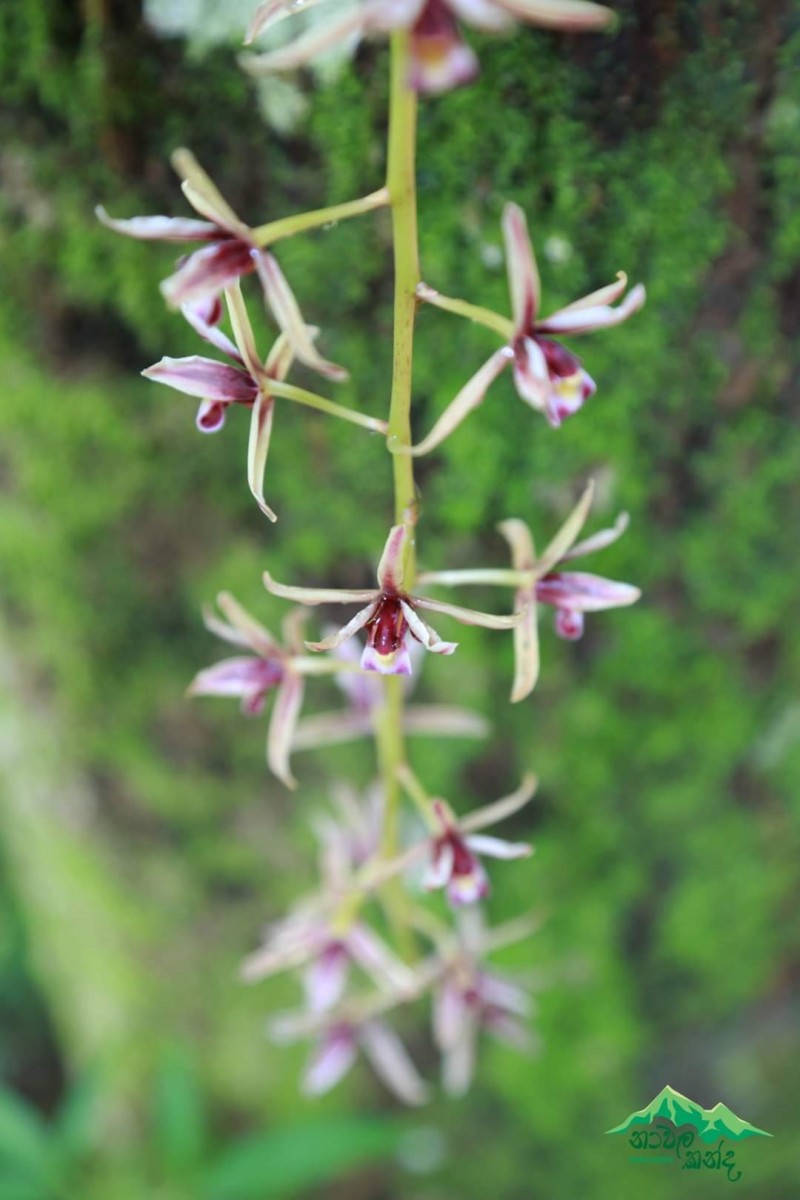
{"x": 283, "y": 1162}
{"x": 76, "y": 1121}
{"x": 24, "y": 1142}
{"x": 178, "y": 1112}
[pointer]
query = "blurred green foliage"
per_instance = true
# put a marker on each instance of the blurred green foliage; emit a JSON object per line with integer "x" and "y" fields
{"x": 667, "y": 742}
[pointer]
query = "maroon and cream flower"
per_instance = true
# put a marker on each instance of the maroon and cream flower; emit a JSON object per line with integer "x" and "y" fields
{"x": 249, "y": 381}
{"x": 547, "y": 376}
{"x": 229, "y": 250}
{"x": 337, "y": 1043}
{"x": 391, "y": 616}
{"x": 439, "y": 57}
{"x": 540, "y": 580}
{"x": 468, "y": 1001}
{"x": 455, "y": 845}
{"x": 267, "y": 667}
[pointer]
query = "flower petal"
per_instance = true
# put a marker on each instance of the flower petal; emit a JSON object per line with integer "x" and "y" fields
{"x": 583, "y": 592}
{"x": 440, "y": 867}
{"x": 450, "y": 1014}
{"x": 598, "y": 316}
{"x": 242, "y": 329}
{"x": 570, "y": 16}
{"x": 391, "y": 1063}
{"x": 316, "y": 40}
{"x": 467, "y": 616}
{"x": 397, "y": 662}
{"x": 271, "y": 12}
{"x": 523, "y": 272}
{"x": 440, "y": 60}
{"x": 204, "y": 195}
{"x": 329, "y": 729}
{"x": 599, "y": 540}
{"x": 284, "y": 308}
{"x": 204, "y": 377}
{"x": 390, "y": 568}
{"x": 490, "y": 814}
{"x": 423, "y": 632}
{"x": 285, "y": 712}
{"x": 202, "y": 316}
{"x": 325, "y": 978}
{"x": 526, "y": 648}
{"x": 568, "y": 533}
{"x": 434, "y": 720}
{"x": 386, "y": 971}
{"x": 604, "y": 295}
{"x": 206, "y": 272}
{"x": 458, "y": 1062}
{"x": 483, "y": 14}
{"x": 249, "y": 631}
{"x": 211, "y": 415}
{"x": 302, "y": 595}
{"x": 471, "y": 395}
{"x": 233, "y": 677}
{"x": 520, "y": 539}
{"x": 531, "y": 374}
{"x": 352, "y": 627}
{"x": 258, "y": 449}
{"x": 330, "y": 1062}
{"x": 494, "y": 847}
{"x": 167, "y": 229}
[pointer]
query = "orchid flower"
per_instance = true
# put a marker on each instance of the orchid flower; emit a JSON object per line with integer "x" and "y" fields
{"x": 469, "y": 997}
{"x": 337, "y": 1044}
{"x": 455, "y": 845}
{"x": 547, "y": 376}
{"x": 571, "y": 593}
{"x": 468, "y": 1000}
{"x": 327, "y": 949}
{"x": 249, "y": 381}
{"x": 268, "y": 667}
{"x": 231, "y": 250}
{"x": 439, "y": 58}
{"x": 390, "y": 616}
{"x": 366, "y": 698}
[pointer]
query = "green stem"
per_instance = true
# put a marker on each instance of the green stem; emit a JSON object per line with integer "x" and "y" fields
{"x": 288, "y": 391}
{"x": 273, "y": 231}
{"x": 402, "y": 186}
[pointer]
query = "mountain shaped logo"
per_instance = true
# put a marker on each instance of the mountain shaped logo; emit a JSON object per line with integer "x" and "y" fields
{"x": 711, "y": 1124}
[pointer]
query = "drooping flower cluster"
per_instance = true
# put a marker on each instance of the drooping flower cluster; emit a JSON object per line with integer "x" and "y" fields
{"x": 338, "y": 938}
{"x": 328, "y": 940}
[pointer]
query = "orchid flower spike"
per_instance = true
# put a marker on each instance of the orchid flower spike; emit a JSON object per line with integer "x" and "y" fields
{"x": 390, "y": 616}
{"x": 230, "y": 250}
{"x": 455, "y": 845}
{"x": 539, "y": 579}
{"x": 547, "y": 376}
{"x": 440, "y": 58}
{"x": 267, "y": 667}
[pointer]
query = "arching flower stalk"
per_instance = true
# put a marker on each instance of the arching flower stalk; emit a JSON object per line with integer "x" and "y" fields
{"x": 362, "y": 925}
